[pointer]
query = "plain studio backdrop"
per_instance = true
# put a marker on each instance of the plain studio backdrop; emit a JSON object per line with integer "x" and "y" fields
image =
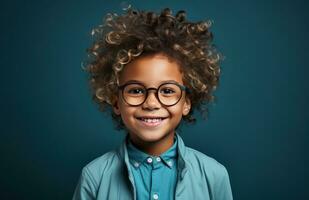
{"x": 258, "y": 128}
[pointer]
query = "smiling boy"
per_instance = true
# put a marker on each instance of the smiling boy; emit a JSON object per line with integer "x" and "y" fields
{"x": 153, "y": 71}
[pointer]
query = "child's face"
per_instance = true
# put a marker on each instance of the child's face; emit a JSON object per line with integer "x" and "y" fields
{"x": 151, "y": 71}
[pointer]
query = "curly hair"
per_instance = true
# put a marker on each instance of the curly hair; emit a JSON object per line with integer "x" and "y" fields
{"x": 121, "y": 39}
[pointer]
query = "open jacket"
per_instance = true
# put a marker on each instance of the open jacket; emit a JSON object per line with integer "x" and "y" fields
{"x": 200, "y": 177}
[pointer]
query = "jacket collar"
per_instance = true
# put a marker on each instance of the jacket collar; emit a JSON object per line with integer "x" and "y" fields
{"x": 181, "y": 149}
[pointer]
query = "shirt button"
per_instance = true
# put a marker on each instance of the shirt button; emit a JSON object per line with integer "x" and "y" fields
{"x": 149, "y": 160}
{"x": 170, "y": 163}
{"x": 158, "y": 159}
{"x": 155, "y": 196}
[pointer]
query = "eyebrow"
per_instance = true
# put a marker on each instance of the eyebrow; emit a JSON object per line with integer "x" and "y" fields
{"x": 141, "y": 82}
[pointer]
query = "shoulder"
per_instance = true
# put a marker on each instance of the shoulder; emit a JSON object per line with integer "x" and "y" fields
{"x": 205, "y": 168}
{"x": 205, "y": 164}
{"x": 95, "y": 169}
{"x": 93, "y": 173}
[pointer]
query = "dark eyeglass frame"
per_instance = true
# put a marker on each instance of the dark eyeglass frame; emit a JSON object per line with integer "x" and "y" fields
{"x": 182, "y": 88}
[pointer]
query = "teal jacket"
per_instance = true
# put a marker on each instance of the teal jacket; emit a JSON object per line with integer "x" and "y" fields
{"x": 110, "y": 177}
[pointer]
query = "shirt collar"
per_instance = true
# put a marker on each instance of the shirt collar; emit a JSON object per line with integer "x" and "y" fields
{"x": 181, "y": 152}
{"x": 136, "y": 155}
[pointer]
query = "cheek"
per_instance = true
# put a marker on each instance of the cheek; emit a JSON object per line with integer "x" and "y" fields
{"x": 176, "y": 111}
{"x": 126, "y": 113}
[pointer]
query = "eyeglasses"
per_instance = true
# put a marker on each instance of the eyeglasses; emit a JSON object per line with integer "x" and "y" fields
{"x": 168, "y": 94}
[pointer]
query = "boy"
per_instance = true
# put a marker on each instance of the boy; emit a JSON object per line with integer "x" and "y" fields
{"x": 153, "y": 71}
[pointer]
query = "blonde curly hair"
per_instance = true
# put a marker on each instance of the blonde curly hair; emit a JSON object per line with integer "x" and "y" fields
{"x": 121, "y": 39}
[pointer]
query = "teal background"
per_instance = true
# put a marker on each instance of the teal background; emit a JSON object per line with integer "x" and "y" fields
{"x": 258, "y": 129}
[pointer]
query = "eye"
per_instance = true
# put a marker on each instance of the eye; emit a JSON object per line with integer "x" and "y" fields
{"x": 167, "y": 91}
{"x": 136, "y": 91}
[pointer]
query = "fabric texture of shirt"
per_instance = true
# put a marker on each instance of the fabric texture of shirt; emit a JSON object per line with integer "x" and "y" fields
{"x": 110, "y": 176}
{"x": 148, "y": 171}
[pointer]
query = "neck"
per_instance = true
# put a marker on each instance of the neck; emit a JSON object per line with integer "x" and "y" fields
{"x": 154, "y": 148}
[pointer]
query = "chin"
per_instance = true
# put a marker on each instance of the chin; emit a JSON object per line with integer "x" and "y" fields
{"x": 151, "y": 136}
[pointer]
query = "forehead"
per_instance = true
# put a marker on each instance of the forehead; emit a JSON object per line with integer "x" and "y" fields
{"x": 151, "y": 70}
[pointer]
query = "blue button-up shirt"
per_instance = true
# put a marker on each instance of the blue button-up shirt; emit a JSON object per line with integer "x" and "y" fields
{"x": 110, "y": 176}
{"x": 148, "y": 171}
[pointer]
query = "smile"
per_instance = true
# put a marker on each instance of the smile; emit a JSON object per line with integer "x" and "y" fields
{"x": 151, "y": 122}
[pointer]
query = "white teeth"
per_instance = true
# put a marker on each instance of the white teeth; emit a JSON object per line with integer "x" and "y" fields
{"x": 151, "y": 120}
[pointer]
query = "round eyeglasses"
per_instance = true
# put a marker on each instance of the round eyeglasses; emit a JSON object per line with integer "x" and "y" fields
{"x": 168, "y": 94}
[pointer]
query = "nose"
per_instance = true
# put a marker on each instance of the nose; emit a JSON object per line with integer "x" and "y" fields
{"x": 151, "y": 101}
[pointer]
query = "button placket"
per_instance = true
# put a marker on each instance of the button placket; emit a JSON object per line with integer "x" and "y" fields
{"x": 156, "y": 179}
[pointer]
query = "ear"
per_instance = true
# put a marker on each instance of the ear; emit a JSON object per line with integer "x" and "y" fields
{"x": 115, "y": 104}
{"x": 186, "y": 107}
